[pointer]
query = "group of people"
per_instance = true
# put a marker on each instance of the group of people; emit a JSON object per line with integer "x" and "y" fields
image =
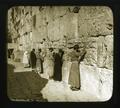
{"x": 52, "y": 64}
{"x": 33, "y": 60}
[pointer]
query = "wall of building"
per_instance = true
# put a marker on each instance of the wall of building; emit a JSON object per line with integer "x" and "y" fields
{"x": 91, "y": 27}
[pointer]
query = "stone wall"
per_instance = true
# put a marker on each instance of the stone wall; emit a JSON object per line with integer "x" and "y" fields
{"x": 20, "y": 25}
{"x": 91, "y": 27}
{"x": 96, "y": 28}
{"x": 97, "y": 80}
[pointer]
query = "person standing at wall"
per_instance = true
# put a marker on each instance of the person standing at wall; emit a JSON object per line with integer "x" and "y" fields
{"x": 58, "y": 65}
{"x": 33, "y": 59}
{"x": 74, "y": 76}
{"x": 39, "y": 63}
{"x": 25, "y": 59}
{"x": 66, "y": 66}
{"x": 48, "y": 64}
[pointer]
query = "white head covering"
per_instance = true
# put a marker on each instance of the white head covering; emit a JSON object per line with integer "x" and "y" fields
{"x": 25, "y": 52}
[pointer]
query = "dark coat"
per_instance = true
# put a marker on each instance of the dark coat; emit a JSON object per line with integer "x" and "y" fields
{"x": 33, "y": 59}
{"x": 58, "y": 67}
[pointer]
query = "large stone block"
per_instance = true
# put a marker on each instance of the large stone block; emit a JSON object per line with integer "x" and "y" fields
{"x": 109, "y": 51}
{"x": 35, "y": 10}
{"x": 89, "y": 79}
{"x": 50, "y": 31}
{"x": 91, "y": 57}
{"x": 105, "y": 83}
{"x": 105, "y": 51}
{"x": 56, "y": 29}
{"x": 60, "y": 11}
{"x": 101, "y": 51}
{"x": 49, "y": 14}
{"x": 97, "y": 80}
{"x": 109, "y": 44}
{"x": 94, "y": 21}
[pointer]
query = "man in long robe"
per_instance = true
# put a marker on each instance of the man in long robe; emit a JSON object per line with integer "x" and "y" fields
{"x": 74, "y": 75}
{"x": 33, "y": 59}
{"x": 58, "y": 65}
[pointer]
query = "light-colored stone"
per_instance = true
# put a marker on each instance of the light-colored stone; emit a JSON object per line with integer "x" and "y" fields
{"x": 91, "y": 28}
{"x": 105, "y": 83}
{"x": 109, "y": 51}
{"x": 96, "y": 85}
{"x": 101, "y": 51}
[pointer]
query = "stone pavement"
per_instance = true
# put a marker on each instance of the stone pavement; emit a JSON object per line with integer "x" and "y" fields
{"x": 19, "y": 67}
{"x": 96, "y": 85}
{"x": 56, "y": 91}
{"x": 24, "y": 86}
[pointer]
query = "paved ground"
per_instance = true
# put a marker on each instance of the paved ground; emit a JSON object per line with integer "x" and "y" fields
{"x": 23, "y": 84}
{"x": 56, "y": 91}
{"x": 19, "y": 67}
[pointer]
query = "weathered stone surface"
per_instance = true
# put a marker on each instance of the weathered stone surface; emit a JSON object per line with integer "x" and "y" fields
{"x": 91, "y": 28}
{"x": 94, "y": 21}
{"x": 91, "y": 57}
{"x": 96, "y": 85}
{"x": 105, "y": 52}
{"x": 105, "y": 83}
{"x": 89, "y": 78}
{"x": 101, "y": 55}
{"x": 109, "y": 51}
{"x": 60, "y": 12}
{"x": 97, "y": 80}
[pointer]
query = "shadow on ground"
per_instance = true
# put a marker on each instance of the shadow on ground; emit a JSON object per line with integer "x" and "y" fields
{"x": 24, "y": 85}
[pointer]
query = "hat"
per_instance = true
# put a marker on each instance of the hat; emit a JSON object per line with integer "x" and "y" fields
{"x": 76, "y": 46}
{"x": 51, "y": 49}
{"x": 39, "y": 50}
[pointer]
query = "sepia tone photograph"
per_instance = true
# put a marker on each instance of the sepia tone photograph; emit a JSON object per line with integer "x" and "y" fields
{"x": 60, "y": 53}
